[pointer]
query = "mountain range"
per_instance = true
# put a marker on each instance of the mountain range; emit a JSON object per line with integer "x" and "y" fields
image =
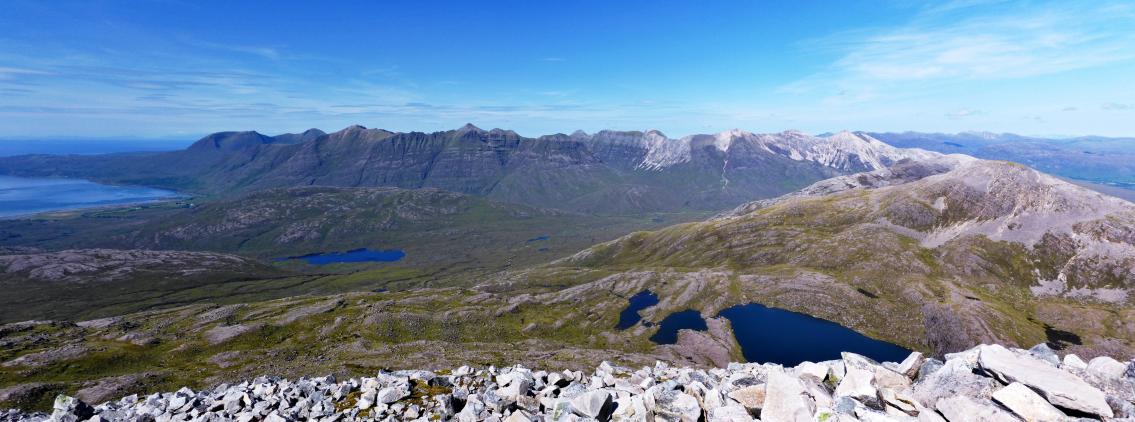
{"x": 609, "y": 172}
{"x": 530, "y": 250}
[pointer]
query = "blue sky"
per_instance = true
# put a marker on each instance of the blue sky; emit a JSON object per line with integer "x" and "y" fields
{"x": 181, "y": 69}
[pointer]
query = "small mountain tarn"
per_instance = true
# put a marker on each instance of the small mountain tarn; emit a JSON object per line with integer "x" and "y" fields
{"x": 640, "y": 301}
{"x": 684, "y": 320}
{"x": 789, "y": 338}
{"x": 353, "y": 255}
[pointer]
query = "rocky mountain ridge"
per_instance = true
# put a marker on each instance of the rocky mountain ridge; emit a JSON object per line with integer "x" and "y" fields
{"x": 985, "y": 383}
{"x": 608, "y": 172}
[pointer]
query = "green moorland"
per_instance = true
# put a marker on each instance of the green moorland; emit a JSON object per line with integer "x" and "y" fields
{"x": 871, "y": 260}
{"x": 449, "y": 239}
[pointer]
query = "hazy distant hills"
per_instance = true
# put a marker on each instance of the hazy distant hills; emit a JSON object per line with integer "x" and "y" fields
{"x": 1098, "y": 159}
{"x": 606, "y": 172}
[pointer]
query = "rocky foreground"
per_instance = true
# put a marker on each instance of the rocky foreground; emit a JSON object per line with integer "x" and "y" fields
{"x": 986, "y": 383}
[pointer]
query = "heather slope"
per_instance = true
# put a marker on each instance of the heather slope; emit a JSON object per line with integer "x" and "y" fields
{"x": 987, "y": 251}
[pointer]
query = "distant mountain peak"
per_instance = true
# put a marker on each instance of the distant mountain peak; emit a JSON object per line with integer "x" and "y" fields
{"x": 230, "y": 141}
{"x": 469, "y": 127}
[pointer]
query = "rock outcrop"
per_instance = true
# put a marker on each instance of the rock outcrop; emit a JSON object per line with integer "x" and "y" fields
{"x": 1018, "y": 385}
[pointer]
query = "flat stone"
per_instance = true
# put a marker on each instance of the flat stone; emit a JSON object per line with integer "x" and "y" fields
{"x": 519, "y": 416}
{"x": 678, "y": 406}
{"x": 814, "y": 370}
{"x": 1045, "y": 353}
{"x": 859, "y": 384}
{"x": 853, "y": 360}
{"x": 592, "y": 404}
{"x": 1057, "y": 386}
{"x": 1106, "y": 369}
{"x": 391, "y": 394}
{"x": 751, "y": 397}
{"x": 1071, "y": 361}
{"x": 900, "y": 401}
{"x": 953, "y": 378}
{"x": 70, "y": 408}
{"x": 630, "y": 409}
{"x": 1027, "y": 404}
{"x": 968, "y": 409}
{"x": 911, "y": 365}
{"x": 786, "y": 400}
{"x": 515, "y": 389}
{"x": 886, "y": 378}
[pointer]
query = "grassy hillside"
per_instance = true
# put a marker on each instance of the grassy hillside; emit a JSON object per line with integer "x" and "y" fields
{"x": 449, "y": 239}
{"x": 987, "y": 252}
{"x": 350, "y": 334}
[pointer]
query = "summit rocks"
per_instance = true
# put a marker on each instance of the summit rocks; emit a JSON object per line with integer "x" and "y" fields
{"x": 1020, "y": 387}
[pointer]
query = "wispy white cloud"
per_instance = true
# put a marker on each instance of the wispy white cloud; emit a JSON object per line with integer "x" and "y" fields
{"x": 1118, "y": 106}
{"x": 964, "y": 113}
{"x": 944, "y": 44}
{"x": 8, "y": 72}
{"x": 271, "y": 53}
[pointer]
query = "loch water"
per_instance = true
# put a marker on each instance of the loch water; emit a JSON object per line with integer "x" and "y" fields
{"x": 784, "y": 337}
{"x": 351, "y": 256}
{"x": 31, "y": 195}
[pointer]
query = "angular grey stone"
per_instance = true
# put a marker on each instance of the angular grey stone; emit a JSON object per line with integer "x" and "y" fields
{"x": 1106, "y": 369}
{"x": 630, "y": 409}
{"x": 1071, "y": 361}
{"x": 1027, "y": 404}
{"x": 391, "y": 394}
{"x": 786, "y": 400}
{"x": 67, "y": 408}
{"x": 859, "y": 384}
{"x": 1122, "y": 408}
{"x": 1045, "y": 353}
{"x": 517, "y": 416}
{"x": 751, "y": 397}
{"x": 900, "y": 401}
{"x": 1057, "y": 386}
{"x": 911, "y": 365}
{"x": 928, "y": 368}
{"x": 955, "y": 377}
{"x": 676, "y": 405}
{"x": 844, "y": 405}
{"x": 968, "y": 409}
{"x": 814, "y": 370}
{"x": 592, "y": 404}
